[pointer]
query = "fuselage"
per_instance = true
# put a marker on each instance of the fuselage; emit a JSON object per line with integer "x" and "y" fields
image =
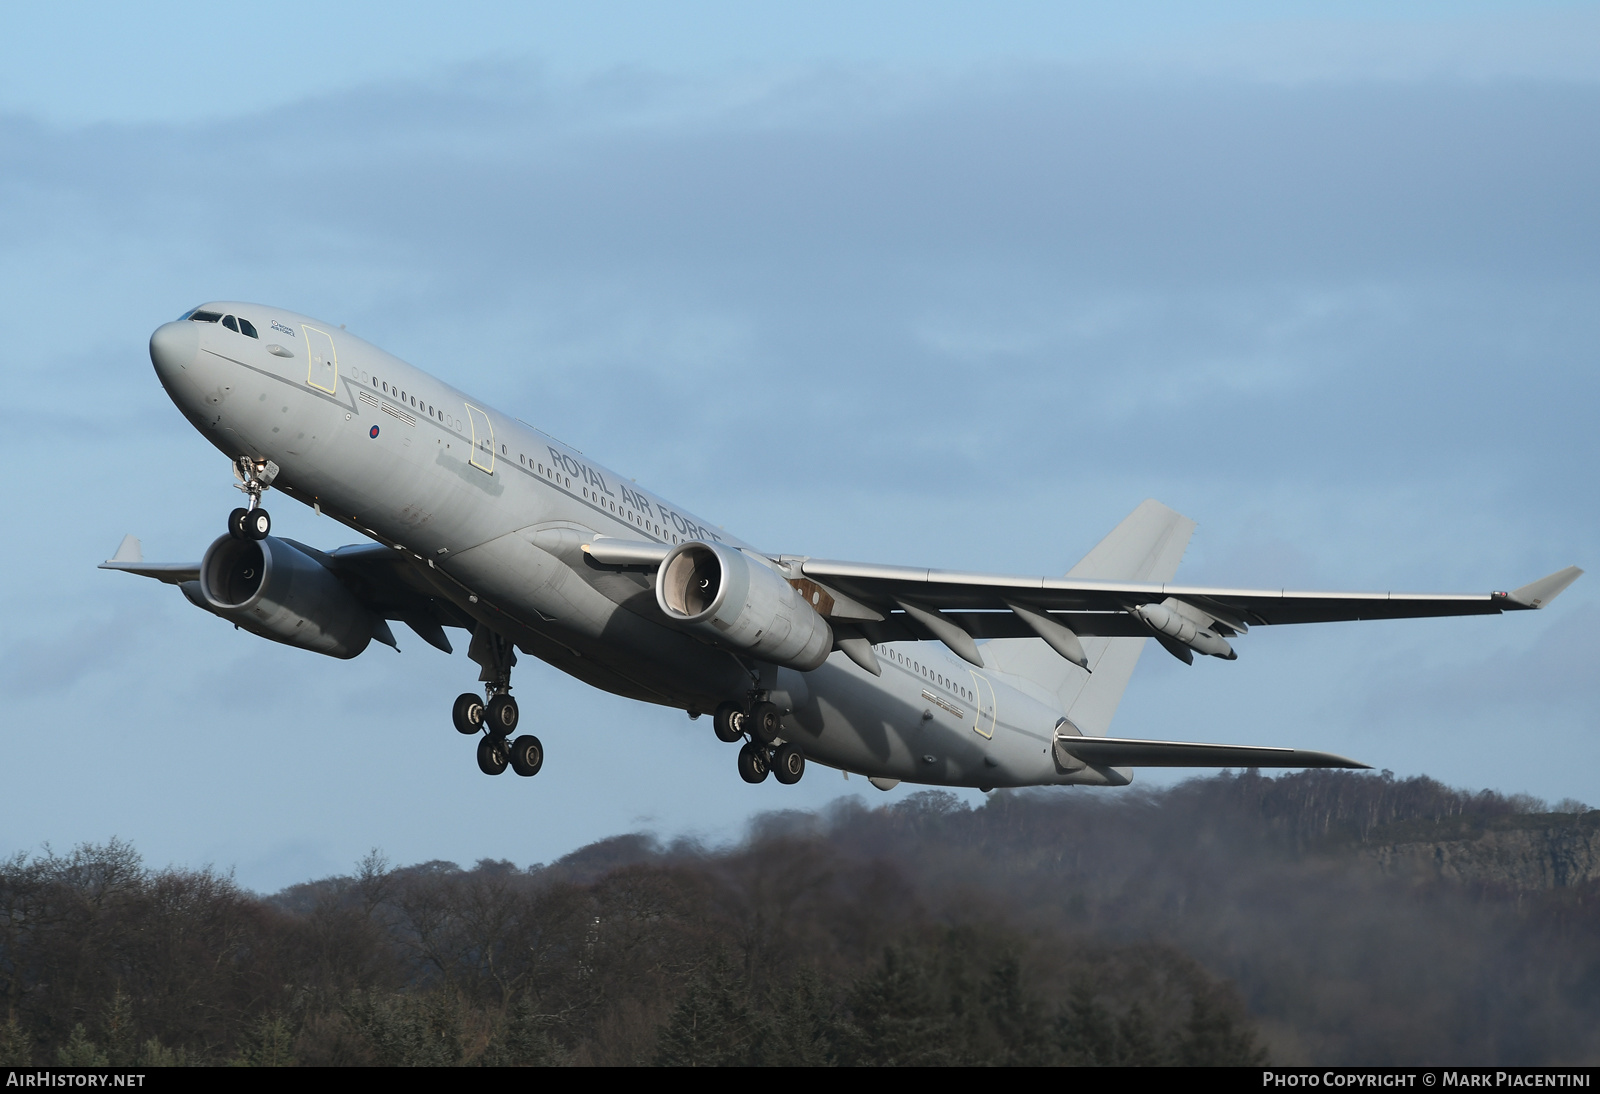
{"x": 493, "y": 516}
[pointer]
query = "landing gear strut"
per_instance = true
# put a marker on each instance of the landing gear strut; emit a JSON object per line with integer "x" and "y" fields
{"x": 255, "y": 478}
{"x": 496, "y": 714}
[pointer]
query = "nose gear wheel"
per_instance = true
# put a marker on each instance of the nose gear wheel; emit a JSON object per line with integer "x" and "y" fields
{"x": 255, "y": 478}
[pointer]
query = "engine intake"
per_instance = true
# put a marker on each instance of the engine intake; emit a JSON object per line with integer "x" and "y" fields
{"x": 271, "y": 588}
{"x": 724, "y": 595}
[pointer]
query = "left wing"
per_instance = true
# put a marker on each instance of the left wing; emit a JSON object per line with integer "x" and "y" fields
{"x": 957, "y": 607}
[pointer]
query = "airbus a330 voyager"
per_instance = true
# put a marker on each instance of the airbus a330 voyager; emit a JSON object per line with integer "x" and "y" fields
{"x": 484, "y": 524}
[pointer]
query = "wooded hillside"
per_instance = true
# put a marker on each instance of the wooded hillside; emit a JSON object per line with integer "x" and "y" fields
{"x": 1321, "y": 917}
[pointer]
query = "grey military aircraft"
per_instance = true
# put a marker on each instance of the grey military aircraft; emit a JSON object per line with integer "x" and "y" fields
{"x": 482, "y": 523}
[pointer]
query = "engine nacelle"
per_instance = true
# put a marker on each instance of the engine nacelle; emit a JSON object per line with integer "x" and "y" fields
{"x": 273, "y": 589}
{"x": 727, "y": 596}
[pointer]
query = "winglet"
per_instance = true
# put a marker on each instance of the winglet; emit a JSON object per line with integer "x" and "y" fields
{"x": 128, "y": 551}
{"x": 130, "y": 559}
{"x": 1537, "y": 594}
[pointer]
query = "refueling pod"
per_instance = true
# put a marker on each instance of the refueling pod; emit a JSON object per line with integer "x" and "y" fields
{"x": 272, "y": 588}
{"x": 725, "y": 595}
{"x": 1169, "y": 619}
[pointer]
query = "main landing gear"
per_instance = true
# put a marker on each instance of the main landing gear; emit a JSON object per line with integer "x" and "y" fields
{"x": 497, "y": 719}
{"x": 255, "y": 478}
{"x": 765, "y": 751}
{"x": 496, "y": 715}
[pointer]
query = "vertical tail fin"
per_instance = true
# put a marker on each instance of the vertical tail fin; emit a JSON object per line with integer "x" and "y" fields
{"x": 1146, "y": 546}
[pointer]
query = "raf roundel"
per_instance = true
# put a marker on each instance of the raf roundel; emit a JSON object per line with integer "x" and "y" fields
{"x": 373, "y": 432}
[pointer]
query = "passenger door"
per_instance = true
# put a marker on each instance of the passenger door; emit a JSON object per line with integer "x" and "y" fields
{"x": 482, "y": 439}
{"x": 322, "y": 372}
{"x": 984, "y": 712}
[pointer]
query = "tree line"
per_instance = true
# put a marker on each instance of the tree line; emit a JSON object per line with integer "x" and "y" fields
{"x": 1220, "y": 921}
{"x": 781, "y": 952}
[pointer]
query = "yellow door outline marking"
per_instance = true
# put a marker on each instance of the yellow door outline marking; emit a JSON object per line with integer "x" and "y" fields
{"x": 482, "y": 439}
{"x": 320, "y": 366}
{"x": 980, "y": 684}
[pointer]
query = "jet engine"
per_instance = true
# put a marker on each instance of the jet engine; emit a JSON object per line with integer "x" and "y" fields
{"x": 273, "y": 589}
{"x": 723, "y": 594}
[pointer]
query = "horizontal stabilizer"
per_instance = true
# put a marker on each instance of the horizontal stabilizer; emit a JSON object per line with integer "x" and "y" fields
{"x": 1126, "y": 752}
{"x": 1536, "y": 594}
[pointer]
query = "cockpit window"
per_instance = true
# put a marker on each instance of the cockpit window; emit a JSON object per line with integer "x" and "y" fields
{"x": 199, "y": 316}
{"x": 227, "y": 321}
{"x": 246, "y": 327}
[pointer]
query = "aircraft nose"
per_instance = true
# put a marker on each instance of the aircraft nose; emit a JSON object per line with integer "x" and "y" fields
{"x": 172, "y": 350}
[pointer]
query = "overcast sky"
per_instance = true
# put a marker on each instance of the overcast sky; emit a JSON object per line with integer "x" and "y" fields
{"x": 922, "y": 284}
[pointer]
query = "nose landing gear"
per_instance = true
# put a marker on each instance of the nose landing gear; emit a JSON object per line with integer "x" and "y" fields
{"x": 255, "y": 478}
